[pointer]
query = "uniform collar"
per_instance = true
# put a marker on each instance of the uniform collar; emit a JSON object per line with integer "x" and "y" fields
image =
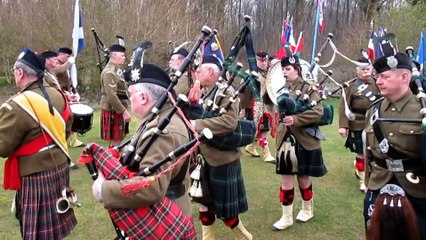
{"x": 296, "y": 84}
{"x": 399, "y": 105}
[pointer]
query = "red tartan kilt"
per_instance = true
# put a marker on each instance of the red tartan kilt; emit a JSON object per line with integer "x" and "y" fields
{"x": 161, "y": 221}
{"x": 113, "y": 126}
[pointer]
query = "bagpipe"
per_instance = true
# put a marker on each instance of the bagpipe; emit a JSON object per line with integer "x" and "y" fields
{"x": 210, "y": 105}
{"x": 131, "y": 143}
{"x": 150, "y": 219}
{"x": 279, "y": 94}
{"x": 126, "y": 167}
{"x": 102, "y": 50}
{"x": 417, "y": 86}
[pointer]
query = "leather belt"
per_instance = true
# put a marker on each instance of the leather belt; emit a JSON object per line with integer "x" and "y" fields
{"x": 359, "y": 111}
{"x": 398, "y": 165}
{"x": 175, "y": 191}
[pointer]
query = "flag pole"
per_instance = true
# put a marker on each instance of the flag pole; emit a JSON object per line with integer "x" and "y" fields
{"x": 314, "y": 44}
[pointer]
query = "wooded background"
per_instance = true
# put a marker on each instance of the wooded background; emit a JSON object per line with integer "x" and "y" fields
{"x": 47, "y": 24}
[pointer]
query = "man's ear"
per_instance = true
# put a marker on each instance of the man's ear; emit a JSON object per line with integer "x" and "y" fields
{"x": 144, "y": 97}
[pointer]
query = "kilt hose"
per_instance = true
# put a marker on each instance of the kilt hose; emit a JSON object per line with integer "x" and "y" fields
{"x": 163, "y": 220}
{"x": 36, "y": 205}
{"x": 227, "y": 187}
{"x": 354, "y": 141}
{"x": 113, "y": 126}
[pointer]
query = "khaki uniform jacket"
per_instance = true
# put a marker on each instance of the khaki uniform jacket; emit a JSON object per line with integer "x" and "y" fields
{"x": 174, "y": 135}
{"x": 357, "y": 102}
{"x": 183, "y": 85}
{"x": 114, "y": 90}
{"x": 221, "y": 125}
{"x": 63, "y": 74}
{"x": 18, "y": 127}
{"x": 405, "y": 138}
{"x": 302, "y": 119}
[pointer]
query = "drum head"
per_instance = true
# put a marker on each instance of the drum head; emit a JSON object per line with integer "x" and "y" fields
{"x": 81, "y": 109}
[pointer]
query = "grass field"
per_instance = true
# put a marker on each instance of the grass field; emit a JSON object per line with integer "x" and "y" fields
{"x": 338, "y": 202}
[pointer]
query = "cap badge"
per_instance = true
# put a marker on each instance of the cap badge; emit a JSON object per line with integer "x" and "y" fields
{"x": 392, "y": 61}
{"x": 135, "y": 75}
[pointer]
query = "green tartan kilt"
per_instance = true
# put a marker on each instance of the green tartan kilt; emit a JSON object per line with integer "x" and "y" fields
{"x": 227, "y": 188}
{"x": 309, "y": 163}
{"x": 354, "y": 142}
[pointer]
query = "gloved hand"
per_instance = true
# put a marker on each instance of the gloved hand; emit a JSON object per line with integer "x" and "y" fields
{"x": 71, "y": 60}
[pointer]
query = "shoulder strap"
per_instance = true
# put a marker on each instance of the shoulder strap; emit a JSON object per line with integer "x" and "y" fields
{"x": 365, "y": 90}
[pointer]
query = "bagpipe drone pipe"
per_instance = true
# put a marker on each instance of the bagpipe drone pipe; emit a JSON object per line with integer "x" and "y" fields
{"x": 126, "y": 168}
{"x": 245, "y": 131}
{"x": 129, "y": 156}
{"x": 102, "y": 50}
{"x": 210, "y": 105}
{"x": 290, "y": 106}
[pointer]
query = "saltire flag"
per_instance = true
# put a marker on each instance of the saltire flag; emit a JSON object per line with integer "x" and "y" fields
{"x": 214, "y": 48}
{"x": 421, "y": 53}
{"x": 77, "y": 39}
{"x": 321, "y": 15}
{"x": 287, "y": 37}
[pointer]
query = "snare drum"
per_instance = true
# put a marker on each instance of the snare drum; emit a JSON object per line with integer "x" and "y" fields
{"x": 83, "y": 117}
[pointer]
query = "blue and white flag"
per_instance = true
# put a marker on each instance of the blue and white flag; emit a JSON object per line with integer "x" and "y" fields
{"x": 77, "y": 39}
{"x": 421, "y": 52}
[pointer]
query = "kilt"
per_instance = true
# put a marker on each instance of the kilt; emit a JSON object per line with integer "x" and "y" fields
{"x": 113, "y": 126}
{"x": 227, "y": 188}
{"x": 354, "y": 141}
{"x": 309, "y": 163}
{"x": 36, "y": 205}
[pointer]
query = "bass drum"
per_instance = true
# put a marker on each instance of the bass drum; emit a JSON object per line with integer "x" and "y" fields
{"x": 275, "y": 80}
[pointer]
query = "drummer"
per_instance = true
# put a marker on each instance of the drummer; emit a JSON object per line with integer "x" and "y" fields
{"x": 50, "y": 76}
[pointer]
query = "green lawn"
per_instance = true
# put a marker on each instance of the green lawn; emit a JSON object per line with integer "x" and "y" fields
{"x": 338, "y": 202}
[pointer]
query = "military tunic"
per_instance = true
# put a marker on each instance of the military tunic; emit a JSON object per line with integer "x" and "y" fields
{"x": 359, "y": 96}
{"x": 62, "y": 72}
{"x": 49, "y": 165}
{"x": 358, "y": 103}
{"x": 114, "y": 90}
{"x": 114, "y": 102}
{"x": 17, "y": 128}
{"x": 405, "y": 138}
{"x": 307, "y": 147}
{"x": 225, "y": 178}
{"x": 173, "y": 136}
{"x": 183, "y": 86}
